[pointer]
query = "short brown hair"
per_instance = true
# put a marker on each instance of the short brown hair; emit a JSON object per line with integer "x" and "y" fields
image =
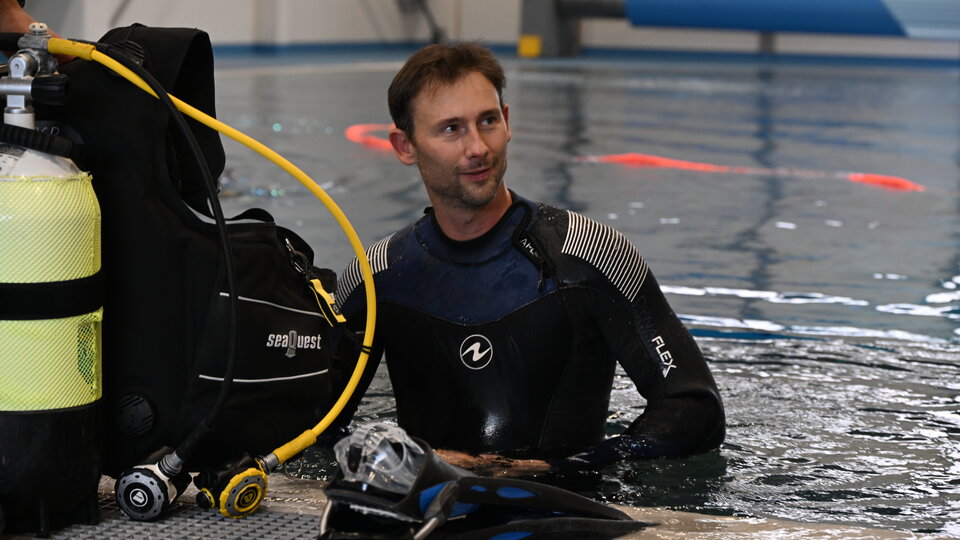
{"x": 439, "y": 64}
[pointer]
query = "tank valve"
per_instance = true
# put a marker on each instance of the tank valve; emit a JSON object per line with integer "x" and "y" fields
{"x": 31, "y": 78}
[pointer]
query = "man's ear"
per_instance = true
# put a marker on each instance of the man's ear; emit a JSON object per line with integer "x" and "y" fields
{"x": 506, "y": 119}
{"x": 403, "y": 147}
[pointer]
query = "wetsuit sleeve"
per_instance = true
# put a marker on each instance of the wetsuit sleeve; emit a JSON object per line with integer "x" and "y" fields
{"x": 684, "y": 413}
{"x": 347, "y": 343}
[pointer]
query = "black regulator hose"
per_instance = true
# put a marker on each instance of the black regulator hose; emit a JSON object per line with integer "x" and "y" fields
{"x": 185, "y": 449}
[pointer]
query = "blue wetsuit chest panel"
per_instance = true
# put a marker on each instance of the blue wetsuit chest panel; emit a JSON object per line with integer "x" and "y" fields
{"x": 471, "y": 282}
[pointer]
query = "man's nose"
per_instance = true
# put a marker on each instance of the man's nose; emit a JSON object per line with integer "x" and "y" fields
{"x": 474, "y": 144}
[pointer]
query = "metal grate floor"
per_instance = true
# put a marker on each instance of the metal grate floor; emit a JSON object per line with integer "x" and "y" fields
{"x": 187, "y": 521}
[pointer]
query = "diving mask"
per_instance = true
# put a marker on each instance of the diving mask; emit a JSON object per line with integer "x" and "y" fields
{"x": 382, "y": 456}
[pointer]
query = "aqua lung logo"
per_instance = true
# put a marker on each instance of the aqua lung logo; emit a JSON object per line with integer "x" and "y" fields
{"x": 293, "y": 341}
{"x": 138, "y": 498}
{"x": 476, "y": 352}
{"x": 527, "y": 245}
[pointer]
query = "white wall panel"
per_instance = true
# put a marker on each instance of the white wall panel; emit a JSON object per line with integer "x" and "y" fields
{"x": 616, "y": 33}
{"x": 307, "y": 22}
{"x": 866, "y": 46}
{"x": 494, "y": 21}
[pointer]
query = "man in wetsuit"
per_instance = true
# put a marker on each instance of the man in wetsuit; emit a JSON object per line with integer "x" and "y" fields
{"x": 503, "y": 319}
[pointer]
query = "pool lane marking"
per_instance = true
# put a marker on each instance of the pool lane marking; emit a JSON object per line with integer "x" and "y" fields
{"x": 362, "y": 134}
{"x": 633, "y": 159}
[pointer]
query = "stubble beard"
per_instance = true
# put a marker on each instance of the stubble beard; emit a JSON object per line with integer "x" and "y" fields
{"x": 469, "y": 196}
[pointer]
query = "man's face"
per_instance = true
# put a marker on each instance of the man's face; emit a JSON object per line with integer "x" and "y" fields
{"x": 460, "y": 142}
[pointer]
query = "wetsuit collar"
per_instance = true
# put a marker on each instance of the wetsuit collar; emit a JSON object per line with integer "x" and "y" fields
{"x": 492, "y": 244}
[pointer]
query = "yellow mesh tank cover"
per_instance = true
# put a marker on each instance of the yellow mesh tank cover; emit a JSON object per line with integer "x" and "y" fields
{"x": 49, "y": 231}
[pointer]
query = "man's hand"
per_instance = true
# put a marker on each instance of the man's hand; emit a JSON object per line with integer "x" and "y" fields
{"x": 493, "y": 464}
{"x": 13, "y": 18}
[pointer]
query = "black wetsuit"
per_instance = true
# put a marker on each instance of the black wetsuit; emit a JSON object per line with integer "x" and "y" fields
{"x": 508, "y": 343}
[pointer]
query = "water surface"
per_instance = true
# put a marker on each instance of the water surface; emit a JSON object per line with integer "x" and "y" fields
{"x": 827, "y": 309}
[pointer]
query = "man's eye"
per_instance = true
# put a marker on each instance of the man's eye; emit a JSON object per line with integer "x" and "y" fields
{"x": 452, "y": 128}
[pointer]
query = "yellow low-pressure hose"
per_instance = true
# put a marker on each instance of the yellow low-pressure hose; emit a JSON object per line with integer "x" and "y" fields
{"x": 89, "y": 52}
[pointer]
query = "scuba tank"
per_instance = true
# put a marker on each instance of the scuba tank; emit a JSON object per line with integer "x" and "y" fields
{"x": 392, "y": 486}
{"x": 50, "y": 311}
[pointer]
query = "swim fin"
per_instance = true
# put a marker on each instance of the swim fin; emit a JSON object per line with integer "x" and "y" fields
{"x": 444, "y": 501}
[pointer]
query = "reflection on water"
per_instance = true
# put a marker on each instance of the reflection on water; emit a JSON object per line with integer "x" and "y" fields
{"x": 828, "y": 309}
{"x": 836, "y": 431}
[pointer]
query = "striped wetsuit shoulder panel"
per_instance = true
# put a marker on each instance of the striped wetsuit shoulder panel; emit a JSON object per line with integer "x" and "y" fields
{"x": 606, "y": 250}
{"x": 352, "y": 277}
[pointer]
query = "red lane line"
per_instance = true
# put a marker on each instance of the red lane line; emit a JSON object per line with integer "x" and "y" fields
{"x": 887, "y": 182}
{"x": 633, "y": 159}
{"x": 360, "y": 134}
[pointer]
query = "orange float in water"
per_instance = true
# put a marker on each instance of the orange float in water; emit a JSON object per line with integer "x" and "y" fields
{"x": 886, "y": 182}
{"x": 360, "y": 134}
{"x": 634, "y": 159}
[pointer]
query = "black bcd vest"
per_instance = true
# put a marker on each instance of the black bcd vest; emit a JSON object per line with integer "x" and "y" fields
{"x": 165, "y": 305}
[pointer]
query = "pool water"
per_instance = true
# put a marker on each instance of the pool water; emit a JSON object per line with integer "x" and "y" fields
{"x": 828, "y": 309}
